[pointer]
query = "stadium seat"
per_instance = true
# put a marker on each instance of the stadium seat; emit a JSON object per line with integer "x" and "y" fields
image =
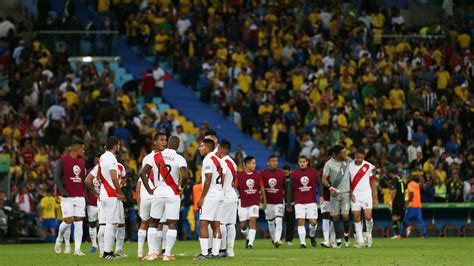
{"x": 468, "y": 230}
{"x": 433, "y": 230}
{"x": 450, "y": 230}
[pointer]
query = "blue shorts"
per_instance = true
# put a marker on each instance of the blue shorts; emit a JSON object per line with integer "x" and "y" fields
{"x": 413, "y": 213}
{"x": 50, "y": 223}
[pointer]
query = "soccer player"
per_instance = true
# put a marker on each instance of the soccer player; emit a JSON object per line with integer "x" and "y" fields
{"x": 91, "y": 207}
{"x": 326, "y": 210}
{"x": 211, "y": 200}
{"x": 304, "y": 187}
{"x": 69, "y": 175}
{"x": 248, "y": 183}
{"x": 120, "y": 235}
{"x": 175, "y": 177}
{"x": 152, "y": 171}
{"x": 336, "y": 179}
{"x": 110, "y": 194}
{"x": 397, "y": 202}
{"x": 363, "y": 196}
{"x": 274, "y": 181}
{"x": 229, "y": 215}
{"x": 413, "y": 205}
{"x": 290, "y": 206}
{"x": 48, "y": 207}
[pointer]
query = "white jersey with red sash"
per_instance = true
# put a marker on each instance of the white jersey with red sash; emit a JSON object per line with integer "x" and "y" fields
{"x": 361, "y": 177}
{"x": 107, "y": 162}
{"x": 213, "y": 165}
{"x": 162, "y": 176}
{"x": 231, "y": 172}
{"x": 173, "y": 162}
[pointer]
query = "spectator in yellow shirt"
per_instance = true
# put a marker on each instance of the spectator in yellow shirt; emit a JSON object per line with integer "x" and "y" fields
{"x": 244, "y": 80}
{"x": 48, "y": 209}
{"x": 443, "y": 79}
{"x": 397, "y": 96}
{"x": 464, "y": 41}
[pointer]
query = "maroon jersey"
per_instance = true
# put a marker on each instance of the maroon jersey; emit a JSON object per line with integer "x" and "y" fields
{"x": 74, "y": 171}
{"x": 304, "y": 185}
{"x": 273, "y": 182}
{"x": 248, "y": 185}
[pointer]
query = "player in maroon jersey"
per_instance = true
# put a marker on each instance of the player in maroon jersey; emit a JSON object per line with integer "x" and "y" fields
{"x": 274, "y": 180}
{"x": 69, "y": 175}
{"x": 248, "y": 183}
{"x": 305, "y": 190}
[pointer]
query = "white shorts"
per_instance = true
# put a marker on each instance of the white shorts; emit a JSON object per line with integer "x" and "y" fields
{"x": 211, "y": 210}
{"x": 157, "y": 208}
{"x": 246, "y": 212}
{"x": 274, "y": 210}
{"x": 362, "y": 202}
{"x": 113, "y": 211}
{"x": 172, "y": 207}
{"x": 92, "y": 213}
{"x": 145, "y": 208}
{"x": 229, "y": 212}
{"x": 73, "y": 207}
{"x": 306, "y": 211}
{"x": 326, "y": 207}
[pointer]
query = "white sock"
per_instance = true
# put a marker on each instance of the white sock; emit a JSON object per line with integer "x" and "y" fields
{"x": 332, "y": 232}
{"x": 109, "y": 236}
{"x": 224, "y": 237}
{"x": 165, "y": 234}
{"x": 302, "y": 234}
{"x": 326, "y": 230}
{"x": 158, "y": 241}
{"x": 358, "y": 231}
{"x": 204, "y": 242}
{"x": 312, "y": 229}
{"x": 152, "y": 235}
{"x": 216, "y": 245}
{"x": 93, "y": 235}
{"x": 369, "y": 224}
{"x": 120, "y": 236}
{"x": 78, "y": 232}
{"x": 141, "y": 239}
{"x": 231, "y": 233}
{"x": 170, "y": 240}
{"x": 252, "y": 233}
{"x": 67, "y": 237}
{"x": 271, "y": 228}
{"x": 245, "y": 233}
{"x": 100, "y": 238}
{"x": 62, "y": 230}
{"x": 278, "y": 228}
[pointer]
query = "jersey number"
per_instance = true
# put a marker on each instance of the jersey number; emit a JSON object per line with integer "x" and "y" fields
{"x": 219, "y": 177}
{"x": 168, "y": 168}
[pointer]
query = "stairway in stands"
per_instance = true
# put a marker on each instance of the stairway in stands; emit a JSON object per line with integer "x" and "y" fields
{"x": 181, "y": 98}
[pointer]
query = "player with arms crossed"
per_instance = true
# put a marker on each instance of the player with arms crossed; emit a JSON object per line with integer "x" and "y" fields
{"x": 248, "y": 183}
{"x": 151, "y": 171}
{"x": 211, "y": 201}
{"x": 336, "y": 179}
{"x": 229, "y": 215}
{"x": 304, "y": 187}
{"x": 110, "y": 195}
{"x": 69, "y": 175}
{"x": 274, "y": 180}
{"x": 176, "y": 176}
{"x": 364, "y": 194}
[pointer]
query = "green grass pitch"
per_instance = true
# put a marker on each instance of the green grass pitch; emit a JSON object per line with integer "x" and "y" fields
{"x": 431, "y": 251}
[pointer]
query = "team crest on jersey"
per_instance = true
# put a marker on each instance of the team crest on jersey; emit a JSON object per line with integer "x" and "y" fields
{"x": 250, "y": 185}
{"x": 77, "y": 171}
{"x": 272, "y": 182}
{"x": 305, "y": 181}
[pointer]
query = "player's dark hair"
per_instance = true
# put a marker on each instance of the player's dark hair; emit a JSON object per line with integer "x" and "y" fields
{"x": 225, "y": 144}
{"x": 173, "y": 142}
{"x": 286, "y": 167}
{"x": 78, "y": 142}
{"x": 248, "y": 159}
{"x": 158, "y": 135}
{"x": 209, "y": 143}
{"x": 361, "y": 151}
{"x": 210, "y": 132}
{"x": 272, "y": 156}
{"x": 111, "y": 142}
{"x": 303, "y": 157}
{"x": 336, "y": 150}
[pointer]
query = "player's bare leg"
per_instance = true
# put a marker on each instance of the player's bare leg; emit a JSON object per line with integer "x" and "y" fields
{"x": 358, "y": 229}
{"x": 252, "y": 231}
{"x": 120, "y": 238}
{"x": 302, "y": 232}
{"x": 278, "y": 231}
{"x": 142, "y": 237}
{"x": 93, "y": 236}
{"x": 326, "y": 229}
{"x": 313, "y": 226}
{"x": 244, "y": 230}
{"x": 203, "y": 240}
{"x": 171, "y": 235}
{"x": 369, "y": 223}
{"x": 63, "y": 227}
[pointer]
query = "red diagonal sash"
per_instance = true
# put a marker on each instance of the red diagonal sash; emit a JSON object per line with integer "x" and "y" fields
{"x": 165, "y": 173}
{"x": 231, "y": 167}
{"x": 108, "y": 188}
{"x": 358, "y": 176}
{"x": 217, "y": 164}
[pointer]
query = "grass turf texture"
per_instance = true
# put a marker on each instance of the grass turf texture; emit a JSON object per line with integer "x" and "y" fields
{"x": 434, "y": 251}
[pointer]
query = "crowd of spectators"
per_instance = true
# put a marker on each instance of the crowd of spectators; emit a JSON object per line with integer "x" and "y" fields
{"x": 310, "y": 75}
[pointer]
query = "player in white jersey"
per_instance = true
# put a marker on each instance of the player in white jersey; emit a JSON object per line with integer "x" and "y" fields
{"x": 152, "y": 169}
{"x": 212, "y": 196}
{"x": 363, "y": 195}
{"x": 110, "y": 194}
{"x": 229, "y": 215}
{"x": 176, "y": 175}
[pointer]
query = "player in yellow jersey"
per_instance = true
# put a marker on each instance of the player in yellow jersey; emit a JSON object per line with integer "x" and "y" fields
{"x": 48, "y": 209}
